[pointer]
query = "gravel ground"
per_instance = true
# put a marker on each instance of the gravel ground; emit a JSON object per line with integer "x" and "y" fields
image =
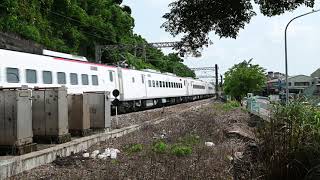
{"x": 183, "y": 130}
{"x": 139, "y": 117}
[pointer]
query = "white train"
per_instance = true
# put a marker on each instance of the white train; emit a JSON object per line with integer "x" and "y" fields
{"x": 138, "y": 89}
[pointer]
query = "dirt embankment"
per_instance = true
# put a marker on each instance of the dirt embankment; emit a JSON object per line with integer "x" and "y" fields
{"x": 173, "y": 149}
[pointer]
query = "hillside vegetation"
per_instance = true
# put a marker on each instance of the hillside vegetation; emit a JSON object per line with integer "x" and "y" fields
{"x": 76, "y": 26}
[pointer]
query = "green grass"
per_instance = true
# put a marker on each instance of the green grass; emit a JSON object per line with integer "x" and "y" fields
{"x": 181, "y": 150}
{"x": 159, "y": 147}
{"x": 134, "y": 148}
{"x": 229, "y": 106}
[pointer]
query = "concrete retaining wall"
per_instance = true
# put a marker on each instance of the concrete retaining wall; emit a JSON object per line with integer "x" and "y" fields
{"x": 16, "y": 43}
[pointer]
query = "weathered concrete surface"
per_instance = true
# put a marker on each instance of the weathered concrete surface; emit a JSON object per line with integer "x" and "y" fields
{"x": 15, "y": 165}
{"x": 14, "y": 42}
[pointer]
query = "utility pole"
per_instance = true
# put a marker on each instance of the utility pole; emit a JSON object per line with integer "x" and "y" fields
{"x": 286, "y": 50}
{"x": 217, "y": 81}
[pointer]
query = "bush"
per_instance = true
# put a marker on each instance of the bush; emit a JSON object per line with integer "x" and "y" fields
{"x": 159, "y": 147}
{"x": 291, "y": 142}
{"x": 181, "y": 150}
{"x": 135, "y": 148}
{"x": 190, "y": 140}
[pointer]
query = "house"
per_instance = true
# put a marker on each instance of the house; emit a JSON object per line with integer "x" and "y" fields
{"x": 297, "y": 84}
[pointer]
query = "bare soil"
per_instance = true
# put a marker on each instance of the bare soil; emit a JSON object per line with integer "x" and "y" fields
{"x": 191, "y": 129}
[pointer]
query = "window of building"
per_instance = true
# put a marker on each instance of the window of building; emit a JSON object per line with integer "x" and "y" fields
{"x": 149, "y": 82}
{"x": 61, "y": 78}
{"x": 31, "y": 76}
{"x": 73, "y": 79}
{"x": 301, "y": 83}
{"x": 13, "y": 75}
{"x": 111, "y": 76}
{"x": 95, "y": 80}
{"x": 153, "y": 83}
{"x": 47, "y": 77}
{"x": 85, "y": 79}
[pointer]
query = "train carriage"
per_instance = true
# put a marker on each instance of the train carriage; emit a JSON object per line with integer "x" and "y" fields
{"x": 137, "y": 88}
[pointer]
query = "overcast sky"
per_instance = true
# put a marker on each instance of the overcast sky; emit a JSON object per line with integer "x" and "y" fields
{"x": 262, "y": 39}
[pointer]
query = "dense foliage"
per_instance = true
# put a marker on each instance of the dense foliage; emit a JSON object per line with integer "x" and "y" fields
{"x": 195, "y": 19}
{"x": 244, "y": 78}
{"x": 76, "y": 26}
{"x": 291, "y": 142}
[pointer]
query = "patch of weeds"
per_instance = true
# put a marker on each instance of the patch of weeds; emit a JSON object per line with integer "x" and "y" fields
{"x": 230, "y": 105}
{"x": 134, "y": 148}
{"x": 181, "y": 150}
{"x": 190, "y": 140}
{"x": 114, "y": 161}
{"x": 159, "y": 147}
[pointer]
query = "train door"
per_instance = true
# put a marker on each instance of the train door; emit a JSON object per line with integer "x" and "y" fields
{"x": 145, "y": 84}
{"x": 191, "y": 88}
{"x": 187, "y": 87}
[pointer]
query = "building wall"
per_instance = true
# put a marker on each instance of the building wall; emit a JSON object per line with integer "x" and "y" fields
{"x": 316, "y": 73}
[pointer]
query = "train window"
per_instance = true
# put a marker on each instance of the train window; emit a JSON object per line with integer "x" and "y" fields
{"x": 142, "y": 78}
{"x": 111, "y": 76}
{"x": 31, "y": 76}
{"x": 47, "y": 77}
{"x": 149, "y": 82}
{"x": 175, "y": 85}
{"x": 160, "y": 83}
{"x": 84, "y": 79}
{"x": 13, "y": 75}
{"x": 171, "y": 84}
{"x": 133, "y": 80}
{"x": 95, "y": 80}
{"x": 157, "y": 83}
{"x": 153, "y": 83}
{"x": 73, "y": 79}
{"x": 166, "y": 84}
{"x": 61, "y": 78}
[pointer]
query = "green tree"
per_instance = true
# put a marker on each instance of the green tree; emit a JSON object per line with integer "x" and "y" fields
{"x": 75, "y": 26}
{"x": 195, "y": 19}
{"x": 244, "y": 78}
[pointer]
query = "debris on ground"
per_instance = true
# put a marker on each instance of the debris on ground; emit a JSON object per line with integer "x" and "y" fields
{"x": 179, "y": 147}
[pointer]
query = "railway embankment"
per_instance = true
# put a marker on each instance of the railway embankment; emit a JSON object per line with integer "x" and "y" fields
{"x": 198, "y": 140}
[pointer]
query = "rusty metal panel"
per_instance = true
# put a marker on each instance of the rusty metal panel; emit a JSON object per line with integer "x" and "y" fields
{"x": 63, "y": 125}
{"x": 50, "y": 112}
{"x": 107, "y": 110}
{"x": 24, "y": 117}
{"x": 15, "y": 117}
{"x": 10, "y": 115}
{"x": 79, "y": 114}
{"x": 38, "y": 113}
{"x": 99, "y": 110}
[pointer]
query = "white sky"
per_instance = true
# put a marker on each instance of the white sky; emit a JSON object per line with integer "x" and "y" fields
{"x": 262, "y": 39}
